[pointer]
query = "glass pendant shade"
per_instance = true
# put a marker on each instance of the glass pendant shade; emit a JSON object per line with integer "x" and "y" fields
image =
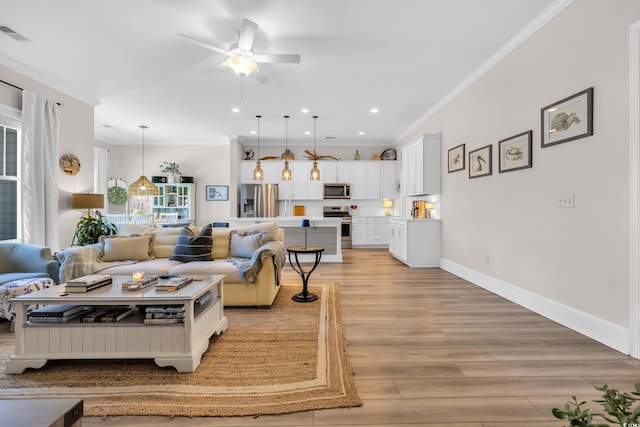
{"x": 142, "y": 186}
{"x": 258, "y": 174}
{"x": 315, "y": 172}
{"x": 286, "y": 172}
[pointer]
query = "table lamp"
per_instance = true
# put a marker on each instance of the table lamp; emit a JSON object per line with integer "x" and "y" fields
{"x": 305, "y": 224}
{"x": 87, "y": 201}
{"x": 387, "y": 204}
{"x": 429, "y": 206}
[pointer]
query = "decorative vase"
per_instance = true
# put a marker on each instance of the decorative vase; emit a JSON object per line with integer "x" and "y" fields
{"x": 357, "y": 156}
{"x": 171, "y": 178}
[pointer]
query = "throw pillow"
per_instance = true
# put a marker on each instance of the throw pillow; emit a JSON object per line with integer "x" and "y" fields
{"x": 192, "y": 247}
{"x": 244, "y": 244}
{"x": 121, "y": 248}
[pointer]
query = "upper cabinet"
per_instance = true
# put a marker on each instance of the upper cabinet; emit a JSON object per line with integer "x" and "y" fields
{"x": 421, "y": 166}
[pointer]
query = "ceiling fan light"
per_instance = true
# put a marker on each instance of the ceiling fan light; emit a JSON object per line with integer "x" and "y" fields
{"x": 241, "y": 65}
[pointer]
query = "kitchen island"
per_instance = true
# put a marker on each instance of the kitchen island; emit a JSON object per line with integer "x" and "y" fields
{"x": 325, "y": 232}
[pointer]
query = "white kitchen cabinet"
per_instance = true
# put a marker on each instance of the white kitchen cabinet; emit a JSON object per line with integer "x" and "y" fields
{"x": 378, "y": 231}
{"x": 373, "y": 180}
{"x": 388, "y": 179}
{"x": 421, "y": 166}
{"x": 336, "y": 172}
{"x": 358, "y": 180}
{"x": 359, "y": 231}
{"x": 269, "y": 168}
{"x": 300, "y": 187}
{"x": 416, "y": 242}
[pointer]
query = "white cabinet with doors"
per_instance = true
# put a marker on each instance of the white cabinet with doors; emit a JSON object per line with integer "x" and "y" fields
{"x": 359, "y": 231}
{"x": 174, "y": 198}
{"x": 416, "y": 242}
{"x": 336, "y": 172}
{"x": 421, "y": 166}
{"x": 369, "y": 231}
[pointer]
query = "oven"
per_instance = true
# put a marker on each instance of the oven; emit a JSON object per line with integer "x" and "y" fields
{"x": 341, "y": 212}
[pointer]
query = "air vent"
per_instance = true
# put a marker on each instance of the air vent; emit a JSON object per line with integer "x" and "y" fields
{"x": 12, "y": 33}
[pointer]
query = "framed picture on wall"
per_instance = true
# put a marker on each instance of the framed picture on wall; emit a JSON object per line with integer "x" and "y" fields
{"x": 480, "y": 162}
{"x": 568, "y": 119}
{"x": 515, "y": 152}
{"x": 456, "y": 158}
{"x": 217, "y": 192}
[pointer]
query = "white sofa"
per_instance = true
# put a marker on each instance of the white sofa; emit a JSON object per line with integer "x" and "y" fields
{"x": 251, "y": 258}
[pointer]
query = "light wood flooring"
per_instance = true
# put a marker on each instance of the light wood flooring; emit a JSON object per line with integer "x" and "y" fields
{"x": 430, "y": 349}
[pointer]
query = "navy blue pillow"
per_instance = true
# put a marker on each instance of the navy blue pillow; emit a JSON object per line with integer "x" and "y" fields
{"x": 192, "y": 247}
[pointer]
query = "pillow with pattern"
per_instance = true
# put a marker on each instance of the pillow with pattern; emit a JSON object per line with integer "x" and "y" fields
{"x": 192, "y": 247}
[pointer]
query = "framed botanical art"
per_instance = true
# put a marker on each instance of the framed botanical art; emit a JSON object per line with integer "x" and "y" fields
{"x": 515, "y": 152}
{"x": 480, "y": 162}
{"x": 568, "y": 119}
{"x": 456, "y": 159}
{"x": 217, "y": 192}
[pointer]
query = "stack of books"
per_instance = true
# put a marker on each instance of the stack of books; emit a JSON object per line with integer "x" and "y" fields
{"x": 155, "y": 315}
{"x": 58, "y": 313}
{"x": 110, "y": 313}
{"x": 88, "y": 283}
{"x": 173, "y": 283}
{"x": 132, "y": 285}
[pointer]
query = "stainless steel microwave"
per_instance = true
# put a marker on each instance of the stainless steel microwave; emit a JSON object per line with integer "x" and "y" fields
{"x": 337, "y": 191}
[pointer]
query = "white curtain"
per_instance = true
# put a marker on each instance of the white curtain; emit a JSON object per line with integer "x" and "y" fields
{"x": 100, "y": 159}
{"x": 39, "y": 170}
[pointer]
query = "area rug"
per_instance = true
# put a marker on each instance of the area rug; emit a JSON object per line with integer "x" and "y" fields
{"x": 290, "y": 358}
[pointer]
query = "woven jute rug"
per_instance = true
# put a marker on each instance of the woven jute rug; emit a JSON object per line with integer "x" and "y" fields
{"x": 290, "y": 358}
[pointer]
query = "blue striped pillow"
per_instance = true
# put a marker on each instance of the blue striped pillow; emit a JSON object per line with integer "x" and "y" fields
{"x": 192, "y": 247}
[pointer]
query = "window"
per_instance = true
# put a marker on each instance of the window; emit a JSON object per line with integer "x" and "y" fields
{"x": 9, "y": 178}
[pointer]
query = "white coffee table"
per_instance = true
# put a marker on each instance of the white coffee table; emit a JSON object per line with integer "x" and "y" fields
{"x": 179, "y": 345}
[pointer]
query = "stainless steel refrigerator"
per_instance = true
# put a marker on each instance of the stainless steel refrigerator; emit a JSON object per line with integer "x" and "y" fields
{"x": 259, "y": 200}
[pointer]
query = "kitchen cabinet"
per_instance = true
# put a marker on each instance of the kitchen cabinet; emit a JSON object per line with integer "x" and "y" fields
{"x": 415, "y": 242}
{"x": 387, "y": 180}
{"x": 370, "y": 231}
{"x": 366, "y": 179}
{"x": 359, "y": 231}
{"x": 336, "y": 172}
{"x": 421, "y": 166}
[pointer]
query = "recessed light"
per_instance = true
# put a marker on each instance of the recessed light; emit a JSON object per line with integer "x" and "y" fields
{"x": 374, "y": 110}
{"x": 307, "y": 132}
{"x": 361, "y": 133}
{"x": 329, "y": 137}
{"x": 253, "y": 132}
{"x": 305, "y": 111}
{"x": 235, "y": 110}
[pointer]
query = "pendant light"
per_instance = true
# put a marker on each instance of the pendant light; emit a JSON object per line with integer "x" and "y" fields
{"x": 258, "y": 174}
{"x": 315, "y": 172}
{"x": 142, "y": 186}
{"x": 286, "y": 172}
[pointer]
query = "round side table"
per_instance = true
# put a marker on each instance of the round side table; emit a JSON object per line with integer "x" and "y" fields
{"x": 305, "y": 295}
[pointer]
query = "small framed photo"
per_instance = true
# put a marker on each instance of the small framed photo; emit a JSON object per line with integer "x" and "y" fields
{"x": 217, "y": 192}
{"x": 568, "y": 119}
{"x": 456, "y": 158}
{"x": 480, "y": 162}
{"x": 515, "y": 152}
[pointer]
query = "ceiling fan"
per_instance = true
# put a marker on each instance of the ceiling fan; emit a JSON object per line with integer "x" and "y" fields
{"x": 241, "y": 57}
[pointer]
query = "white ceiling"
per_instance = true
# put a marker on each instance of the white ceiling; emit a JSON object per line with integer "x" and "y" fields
{"x": 401, "y": 56}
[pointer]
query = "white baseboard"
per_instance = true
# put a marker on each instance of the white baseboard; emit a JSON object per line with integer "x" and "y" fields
{"x": 603, "y": 331}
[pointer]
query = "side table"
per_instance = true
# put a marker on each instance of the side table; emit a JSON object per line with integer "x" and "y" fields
{"x": 305, "y": 295}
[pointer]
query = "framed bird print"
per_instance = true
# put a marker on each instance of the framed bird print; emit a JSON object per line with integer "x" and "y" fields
{"x": 456, "y": 159}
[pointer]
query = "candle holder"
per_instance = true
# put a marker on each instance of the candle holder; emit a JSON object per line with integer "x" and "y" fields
{"x": 138, "y": 276}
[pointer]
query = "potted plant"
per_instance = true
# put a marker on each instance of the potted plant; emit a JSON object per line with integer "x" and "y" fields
{"x": 89, "y": 229}
{"x": 618, "y": 409}
{"x": 171, "y": 169}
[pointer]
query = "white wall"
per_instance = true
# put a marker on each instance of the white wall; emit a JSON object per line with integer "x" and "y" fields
{"x": 578, "y": 258}
{"x": 76, "y": 137}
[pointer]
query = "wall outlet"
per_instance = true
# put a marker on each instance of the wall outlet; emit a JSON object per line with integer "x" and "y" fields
{"x": 486, "y": 259}
{"x": 566, "y": 200}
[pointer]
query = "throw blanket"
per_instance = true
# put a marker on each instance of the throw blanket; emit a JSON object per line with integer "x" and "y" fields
{"x": 249, "y": 268}
{"x": 82, "y": 260}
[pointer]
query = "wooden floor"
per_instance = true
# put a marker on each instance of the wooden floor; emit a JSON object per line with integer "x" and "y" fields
{"x": 430, "y": 349}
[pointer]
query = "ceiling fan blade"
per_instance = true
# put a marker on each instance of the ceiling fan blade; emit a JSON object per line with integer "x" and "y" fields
{"x": 247, "y": 34}
{"x": 261, "y": 77}
{"x": 282, "y": 58}
{"x": 204, "y": 44}
{"x": 216, "y": 68}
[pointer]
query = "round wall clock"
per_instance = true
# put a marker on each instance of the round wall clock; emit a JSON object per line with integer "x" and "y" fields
{"x": 70, "y": 164}
{"x": 389, "y": 154}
